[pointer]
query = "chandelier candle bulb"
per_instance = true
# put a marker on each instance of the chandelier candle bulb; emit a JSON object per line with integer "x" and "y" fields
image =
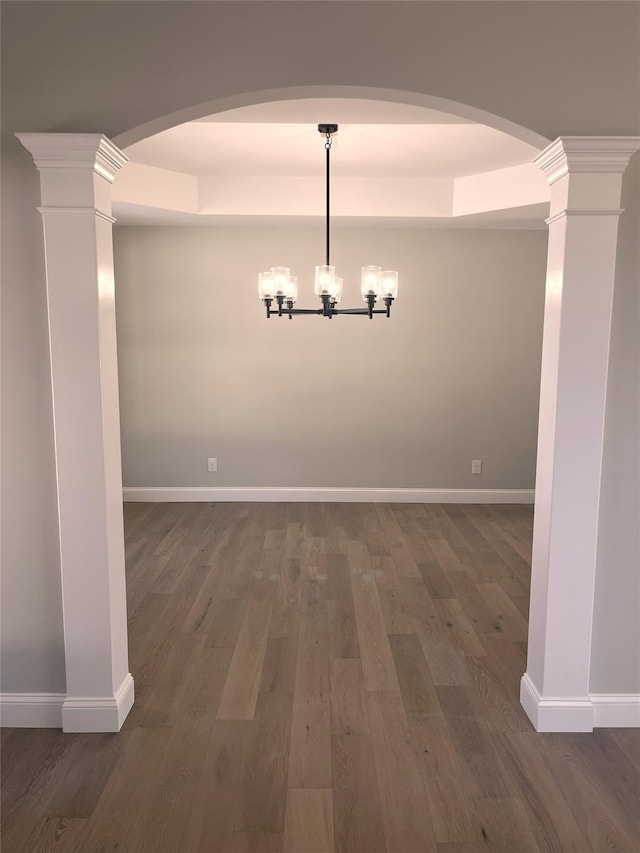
{"x": 265, "y": 285}
{"x": 389, "y": 284}
{"x": 325, "y": 280}
{"x": 281, "y": 276}
{"x": 371, "y": 285}
{"x": 280, "y": 286}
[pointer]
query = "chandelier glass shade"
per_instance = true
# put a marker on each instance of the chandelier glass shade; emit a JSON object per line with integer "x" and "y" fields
{"x": 278, "y": 286}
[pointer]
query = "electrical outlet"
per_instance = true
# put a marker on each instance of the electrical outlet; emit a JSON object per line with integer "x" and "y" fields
{"x": 476, "y": 466}
{"x": 212, "y": 465}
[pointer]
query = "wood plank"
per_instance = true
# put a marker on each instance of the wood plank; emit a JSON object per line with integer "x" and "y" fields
{"x": 88, "y": 766}
{"x": 286, "y": 600}
{"x": 458, "y": 628}
{"x": 57, "y": 835}
{"x": 158, "y": 703}
{"x": 264, "y": 786}
{"x": 243, "y": 681}
{"x": 446, "y": 666}
{"x": 444, "y": 554}
{"x": 445, "y": 779}
{"x": 398, "y": 609}
{"x": 211, "y": 820}
{"x": 598, "y": 817}
{"x": 506, "y": 614}
{"x": 436, "y": 580}
{"x": 501, "y": 712}
{"x": 245, "y": 566}
{"x": 504, "y": 825}
{"x": 279, "y": 668}
{"x": 257, "y": 842}
{"x": 226, "y": 617}
{"x": 356, "y": 806}
{"x": 310, "y": 753}
{"x": 473, "y": 745}
{"x": 416, "y": 687}
{"x": 128, "y": 795}
{"x": 309, "y": 825}
{"x": 407, "y": 826}
{"x": 338, "y": 579}
{"x": 343, "y": 630}
{"x": 348, "y": 699}
{"x": 553, "y": 823}
{"x": 377, "y": 661}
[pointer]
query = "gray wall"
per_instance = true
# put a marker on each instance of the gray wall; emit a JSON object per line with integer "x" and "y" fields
{"x": 557, "y": 68}
{"x": 31, "y": 643}
{"x": 407, "y": 402}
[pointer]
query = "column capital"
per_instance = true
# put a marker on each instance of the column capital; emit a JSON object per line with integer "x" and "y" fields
{"x": 593, "y": 154}
{"x": 88, "y": 151}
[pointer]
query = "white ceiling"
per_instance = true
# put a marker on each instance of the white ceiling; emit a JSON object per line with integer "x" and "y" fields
{"x": 527, "y": 217}
{"x": 377, "y": 141}
{"x": 246, "y": 143}
{"x": 341, "y": 110}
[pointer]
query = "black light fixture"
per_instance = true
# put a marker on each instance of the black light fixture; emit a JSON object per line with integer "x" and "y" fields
{"x": 280, "y": 286}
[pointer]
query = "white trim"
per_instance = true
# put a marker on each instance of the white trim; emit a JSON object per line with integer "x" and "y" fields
{"x": 616, "y": 710}
{"x": 565, "y": 214}
{"x": 329, "y": 495}
{"x": 586, "y": 154}
{"x": 76, "y": 211}
{"x": 75, "y": 151}
{"x": 31, "y": 710}
{"x": 98, "y": 713}
{"x": 579, "y": 713}
{"x": 556, "y": 714}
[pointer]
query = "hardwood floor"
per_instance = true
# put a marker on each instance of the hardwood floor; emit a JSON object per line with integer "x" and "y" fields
{"x": 324, "y": 677}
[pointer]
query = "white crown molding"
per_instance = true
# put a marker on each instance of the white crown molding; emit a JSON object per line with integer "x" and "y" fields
{"x": 329, "y": 495}
{"x": 74, "y": 151}
{"x": 586, "y": 154}
{"x": 98, "y": 713}
{"x": 617, "y": 211}
{"x": 31, "y": 710}
{"x": 579, "y": 713}
{"x": 74, "y": 211}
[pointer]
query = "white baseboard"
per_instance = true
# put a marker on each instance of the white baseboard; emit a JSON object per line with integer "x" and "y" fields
{"x": 579, "y": 713}
{"x": 31, "y": 710}
{"x": 328, "y": 495}
{"x": 98, "y": 713}
{"x": 616, "y": 710}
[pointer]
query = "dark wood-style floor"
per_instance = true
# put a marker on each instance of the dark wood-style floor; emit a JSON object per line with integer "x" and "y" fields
{"x": 324, "y": 677}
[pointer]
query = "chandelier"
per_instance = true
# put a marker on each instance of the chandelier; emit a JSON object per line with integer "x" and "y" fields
{"x": 280, "y": 286}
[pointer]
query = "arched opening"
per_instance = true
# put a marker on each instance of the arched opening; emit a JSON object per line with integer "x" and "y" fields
{"x": 293, "y": 454}
{"x": 396, "y": 96}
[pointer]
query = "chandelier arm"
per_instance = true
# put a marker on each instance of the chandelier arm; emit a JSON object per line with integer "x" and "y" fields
{"x": 360, "y": 311}
{"x": 290, "y": 312}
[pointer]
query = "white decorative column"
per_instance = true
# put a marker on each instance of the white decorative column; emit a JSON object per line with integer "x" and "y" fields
{"x": 585, "y": 174}
{"x": 76, "y": 173}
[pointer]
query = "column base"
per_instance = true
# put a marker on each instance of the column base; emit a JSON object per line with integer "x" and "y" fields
{"x": 555, "y": 714}
{"x": 98, "y": 713}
